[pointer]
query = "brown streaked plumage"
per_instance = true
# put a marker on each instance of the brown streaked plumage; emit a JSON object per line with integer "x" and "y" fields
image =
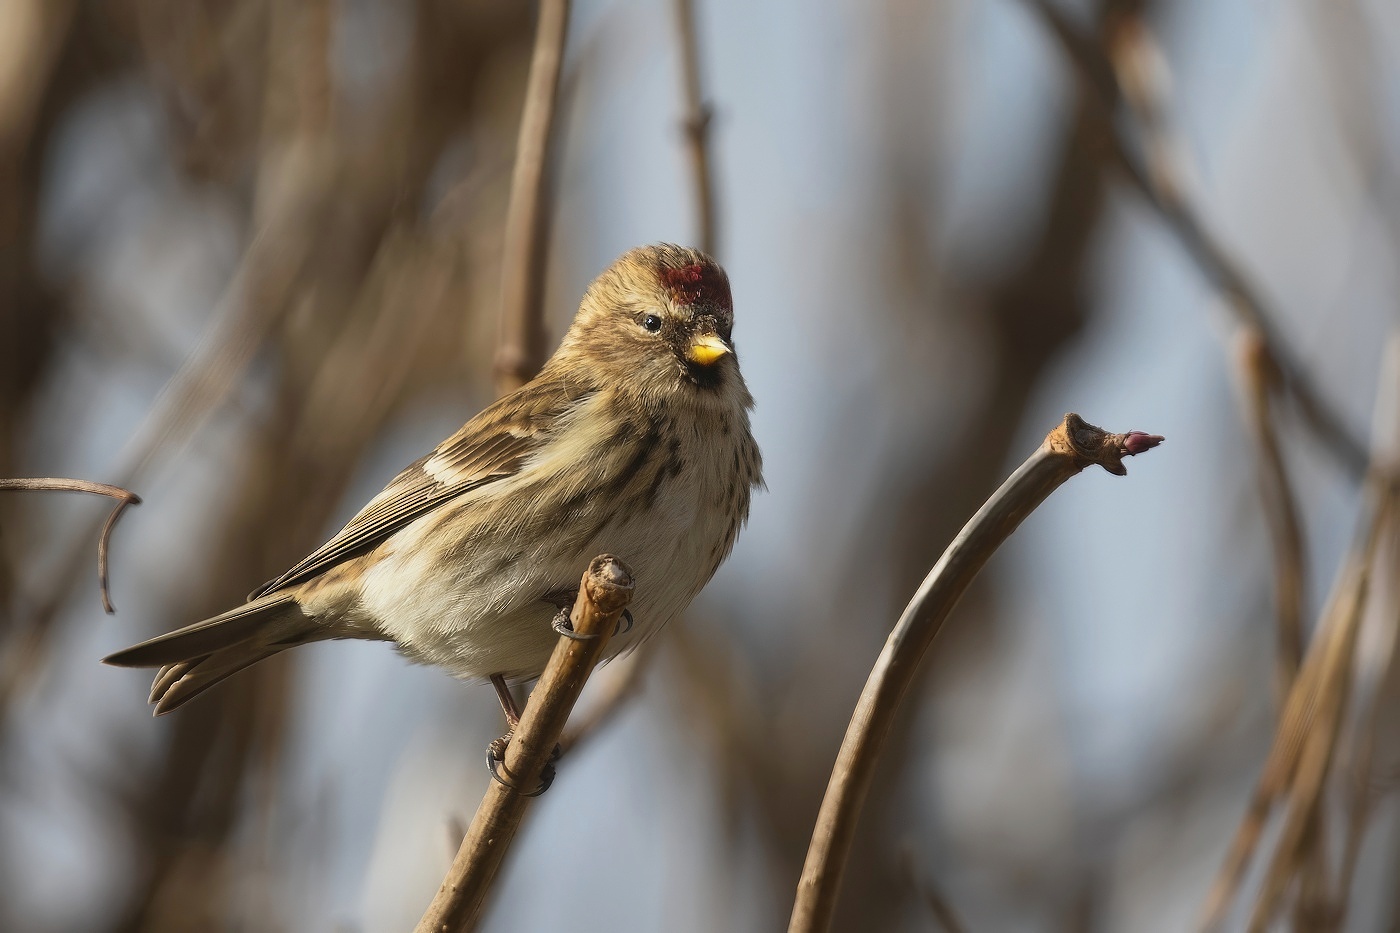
{"x": 633, "y": 439}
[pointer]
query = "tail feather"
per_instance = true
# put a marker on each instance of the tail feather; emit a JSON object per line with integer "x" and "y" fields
{"x": 177, "y": 684}
{"x": 249, "y": 622}
{"x": 194, "y": 658}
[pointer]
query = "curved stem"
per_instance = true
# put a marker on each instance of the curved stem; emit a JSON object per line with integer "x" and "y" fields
{"x": 1066, "y": 450}
{"x": 124, "y": 498}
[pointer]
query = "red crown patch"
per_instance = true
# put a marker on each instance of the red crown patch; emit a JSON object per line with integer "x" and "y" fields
{"x": 698, "y": 283}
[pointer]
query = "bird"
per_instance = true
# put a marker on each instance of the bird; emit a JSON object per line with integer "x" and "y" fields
{"x": 633, "y": 439}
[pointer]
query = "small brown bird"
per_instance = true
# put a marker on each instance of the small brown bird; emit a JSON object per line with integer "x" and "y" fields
{"x": 634, "y": 440}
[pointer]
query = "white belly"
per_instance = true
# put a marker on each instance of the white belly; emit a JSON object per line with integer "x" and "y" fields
{"x": 479, "y": 614}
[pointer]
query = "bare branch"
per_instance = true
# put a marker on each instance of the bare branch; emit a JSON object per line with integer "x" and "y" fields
{"x": 1301, "y": 753}
{"x": 1362, "y": 795}
{"x": 1067, "y": 450}
{"x": 605, "y": 591}
{"x": 696, "y": 126}
{"x": 521, "y": 350}
{"x": 124, "y": 497}
{"x": 1327, "y": 695}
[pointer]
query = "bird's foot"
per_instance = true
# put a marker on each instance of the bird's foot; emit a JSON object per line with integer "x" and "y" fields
{"x": 496, "y": 764}
{"x": 564, "y": 625}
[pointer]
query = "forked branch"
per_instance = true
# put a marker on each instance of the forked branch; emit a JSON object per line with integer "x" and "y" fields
{"x": 124, "y": 497}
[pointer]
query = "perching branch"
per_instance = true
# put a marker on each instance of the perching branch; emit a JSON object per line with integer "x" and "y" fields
{"x": 520, "y": 352}
{"x": 605, "y": 591}
{"x": 1115, "y": 79}
{"x": 1067, "y": 450}
{"x": 124, "y": 497}
{"x": 696, "y": 126}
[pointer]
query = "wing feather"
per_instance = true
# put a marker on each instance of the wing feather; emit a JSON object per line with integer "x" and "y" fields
{"x": 493, "y": 445}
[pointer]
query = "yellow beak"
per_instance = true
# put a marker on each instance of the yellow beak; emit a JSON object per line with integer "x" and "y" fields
{"x": 705, "y": 349}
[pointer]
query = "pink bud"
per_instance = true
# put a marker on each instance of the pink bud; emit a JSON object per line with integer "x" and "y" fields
{"x": 1137, "y": 441}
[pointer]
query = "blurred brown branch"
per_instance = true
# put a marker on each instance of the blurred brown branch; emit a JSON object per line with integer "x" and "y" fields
{"x": 1280, "y": 508}
{"x": 1281, "y": 511}
{"x": 1301, "y": 754}
{"x": 1372, "y": 723}
{"x": 696, "y": 126}
{"x": 521, "y": 349}
{"x": 1067, "y": 450}
{"x": 604, "y": 593}
{"x": 1304, "y": 748}
{"x": 124, "y": 497}
{"x": 1119, "y": 74}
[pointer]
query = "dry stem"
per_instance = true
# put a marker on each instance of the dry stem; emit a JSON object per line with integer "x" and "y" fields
{"x": 1301, "y": 753}
{"x": 521, "y": 349}
{"x": 696, "y": 127}
{"x": 124, "y": 498}
{"x": 605, "y": 591}
{"x": 1067, "y": 450}
{"x": 1280, "y": 506}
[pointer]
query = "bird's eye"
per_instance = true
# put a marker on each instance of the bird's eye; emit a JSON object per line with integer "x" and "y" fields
{"x": 652, "y": 323}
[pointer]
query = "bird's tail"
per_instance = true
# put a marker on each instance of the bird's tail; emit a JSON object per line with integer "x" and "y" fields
{"x": 194, "y": 658}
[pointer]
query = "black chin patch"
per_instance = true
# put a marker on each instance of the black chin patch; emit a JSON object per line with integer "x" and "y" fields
{"x": 706, "y": 377}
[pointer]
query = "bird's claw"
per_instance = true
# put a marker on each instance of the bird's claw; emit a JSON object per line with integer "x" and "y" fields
{"x": 564, "y": 625}
{"x": 496, "y": 764}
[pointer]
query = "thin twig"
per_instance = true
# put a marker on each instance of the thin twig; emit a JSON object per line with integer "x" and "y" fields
{"x": 605, "y": 591}
{"x": 1372, "y": 721}
{"x": 1067, "y": 450}
{"x": 1378, "y": 707}
{"x": 1281, "y": 509}
{"x": 696, "y": 127}
{"x": 250, "y": 308}
{"x": 1336, "y": 652}
{"x": 1160, "y": 183}
{"x": 1302, "y": 747}
{"x": 124, "y": 497}
{"x": 521, "y": 349}
{"x": 1261, "y": 379}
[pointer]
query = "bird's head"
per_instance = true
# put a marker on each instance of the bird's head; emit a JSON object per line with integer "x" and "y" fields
{"x": 661, "y": 317}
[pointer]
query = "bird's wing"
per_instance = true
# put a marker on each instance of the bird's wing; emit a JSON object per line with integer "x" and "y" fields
{"x": 493, "y": 445}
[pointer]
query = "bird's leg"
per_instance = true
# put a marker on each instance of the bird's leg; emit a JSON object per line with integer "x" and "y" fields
{"x": 496, "y": 751}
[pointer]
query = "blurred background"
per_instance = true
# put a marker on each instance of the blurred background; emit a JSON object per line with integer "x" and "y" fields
{"x": 250, "y": 266}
